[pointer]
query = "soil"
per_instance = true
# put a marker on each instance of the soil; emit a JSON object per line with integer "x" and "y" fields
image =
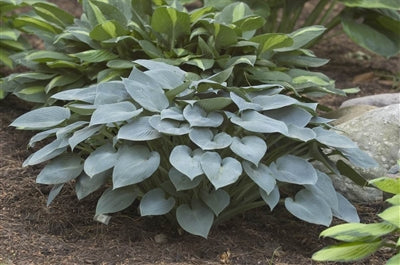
{"x": 65, "y": 233}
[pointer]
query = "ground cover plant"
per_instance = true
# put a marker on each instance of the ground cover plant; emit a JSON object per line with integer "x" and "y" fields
{"x": 100, "y": 46}
{"x": 361, "y": 240}
{"x": 362, "y": 21}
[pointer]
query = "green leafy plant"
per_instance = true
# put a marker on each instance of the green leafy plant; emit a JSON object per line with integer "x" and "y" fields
{"x": 101, "y": 45}
{"x": 196, "y": 149}
{"x": 372, "y": 24}
{"x": 11, "y": 41}
{"x": 361, "y": 240}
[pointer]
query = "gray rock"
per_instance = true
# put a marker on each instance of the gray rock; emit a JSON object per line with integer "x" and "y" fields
{"x": 380, "y": 100}
{"x": 378, "y": 133}
{"x": 347, "y": 113}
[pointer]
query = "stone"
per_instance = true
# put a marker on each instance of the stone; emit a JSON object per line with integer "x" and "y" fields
{"x": 161, "y": 238}
{"x": 379, "y": 100}
{"x": 378, "y": 133}
{"x": 347, "y": 113}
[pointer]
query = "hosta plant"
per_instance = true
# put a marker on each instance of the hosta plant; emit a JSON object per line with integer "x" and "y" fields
{"x": 196, "y": 149}
{"x": 361, "y": 240}
{"x": 372, "y": 24}
{"x": 101, "y": 45}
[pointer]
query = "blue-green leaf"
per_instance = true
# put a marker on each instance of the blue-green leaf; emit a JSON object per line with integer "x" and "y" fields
{"x": 187, "y": 161}
{"x": 296, "y": 170}
{"x": 149, "y": 95}
{"x": 262, "y": 175}
{"x": 307, "y": 207}
{"x": 216, "y": 200}
{"x": 220, "y": 172}
{"x": 251, "y": 148}
{"x": 169, "y": 127}
{"x": 196, "y": 220}
{"x": 138, "y": 130}
{"x": 135, "y": 164}
{"x": 181, "y": 181}
{"x": 197, "y": 117}
{"x": 82, "y": 134}
{"x": 101, "y": 159}
{"x": 53, "y": 193}
{"x": 345, "y": 211}
{"x": 115, "y": 200}
{"x": 256, "y": 122}
{"x": 47, "y": 152}
{"x": 60, "y": 170}
{"x": 333, "y": 139}
{"x": 272, "y": 198}
{"x": 114, "y": 112}
{"x": 85, "y": 185}
{"x": 42, "y": 118}
{"x": 206, "y": 140}
{"x": 155, "y": 203}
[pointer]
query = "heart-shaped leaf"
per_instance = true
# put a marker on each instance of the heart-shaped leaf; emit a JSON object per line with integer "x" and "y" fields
{"x": 309, "y": 208}
{"x": 101, "y": 159}
{"x": 197, "y": 117}
{"x": 256, "y": 122}
{"x": 220, "y": 172}
{"x": 296, "y": 170}
{"x": 324, "y": 189}
{"x": 138, "y": 130}
{"x": 42, "y": 118}
{"x": 181, "y": 181}
{"x": 272, "y": 198}
{"x": 217, "y": 200}
{"x": 115, "y": 200}
{"x": 251, "y": 148}
{"x": 187, "y": 161}
{"x": 60, "y": 170}
{"x": 261, "y": 175}
{"x": 206, "y": 140}
{"x": 154, "y": 203}
{"x": 134, "y": 164}
{"x": 169, "y": 127}
{"x": 196, "y": 220}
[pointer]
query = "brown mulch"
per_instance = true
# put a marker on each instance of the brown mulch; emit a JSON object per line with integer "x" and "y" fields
{"x": 65, "y": 233}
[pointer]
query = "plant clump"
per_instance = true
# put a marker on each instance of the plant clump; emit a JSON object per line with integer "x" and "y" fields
{"x": 196, "y": 149}
{"x": 194, "y": 114}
